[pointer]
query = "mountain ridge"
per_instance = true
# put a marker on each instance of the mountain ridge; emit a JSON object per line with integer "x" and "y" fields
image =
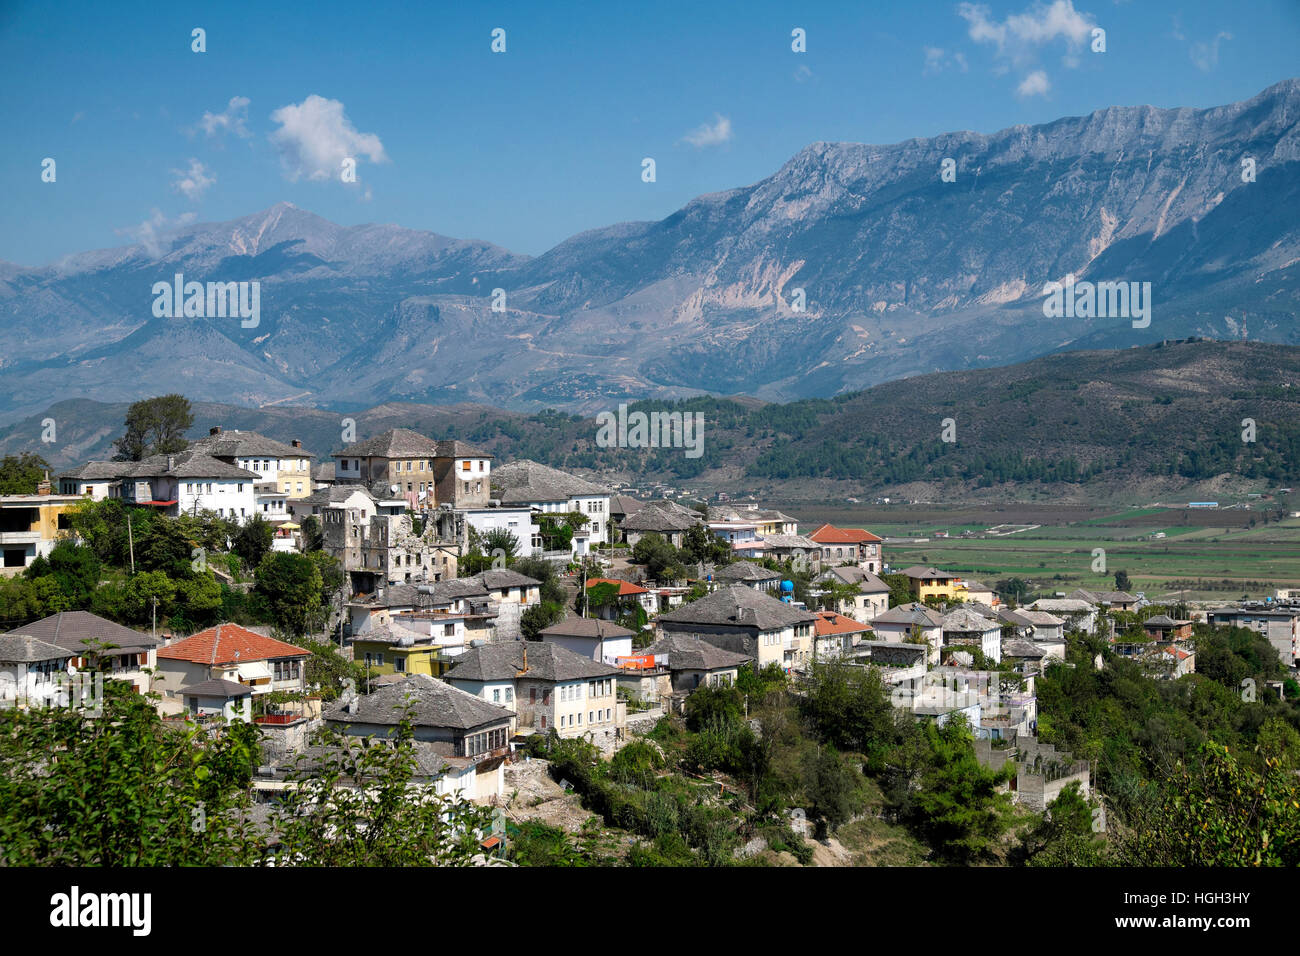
{"x": 902, "y": 274}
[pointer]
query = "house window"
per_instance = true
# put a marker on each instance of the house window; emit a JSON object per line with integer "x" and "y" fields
{"x": 532, "y": 695}
{"x": 464, "y": 466}
{"x": 399, "y": 664}
{"x": 510, "y": 695}
{"x": 496, "y": 696}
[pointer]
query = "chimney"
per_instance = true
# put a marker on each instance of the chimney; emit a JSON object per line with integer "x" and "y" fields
{"x": 214, "y": 430}
{"x": 171, "y": 462}
{"x": 43, "y": 486}
{"x": 297, "y": 443}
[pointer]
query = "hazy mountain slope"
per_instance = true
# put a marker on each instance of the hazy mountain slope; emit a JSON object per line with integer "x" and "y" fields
{"x": 903, "y": 274}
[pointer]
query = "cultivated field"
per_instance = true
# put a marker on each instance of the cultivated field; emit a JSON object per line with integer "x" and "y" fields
{"x": 1206, "y": 553}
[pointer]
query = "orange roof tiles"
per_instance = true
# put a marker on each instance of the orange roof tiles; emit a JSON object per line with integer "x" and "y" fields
{"x": 829, "y": 534}
{"x": 624, "y": 587}
{"x": 226, "y": 644}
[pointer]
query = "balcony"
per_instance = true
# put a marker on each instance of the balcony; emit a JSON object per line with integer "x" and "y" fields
{"x": 19, "y": 537}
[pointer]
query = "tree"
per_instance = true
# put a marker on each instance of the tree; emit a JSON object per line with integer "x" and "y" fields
{"x": 659, "y": 557}
{"x": 76, "y": 570}
{"x": 254, "y": 540}
{"x": 313, "y": 538}
{"x": 155, "y": 426}
{"x": 22, "y": 474}
{"x": 701, "y": 544}
{"x": 957, "y": 808}
{"x": 711, "y": 703}
{"x": 601, "y": 595}
{"x": 356, "y": 807}
{"x": 123, "y": 790}
{"x": 1122, "y": 583}
{"x": 539, "y": 616}
{"x": 1216, "y": 811}
{"x": 291, "y": 586}
{"x": 831, "y": 788}
{"x": 1063, "y": 837}
{"x": 900, "y": 589}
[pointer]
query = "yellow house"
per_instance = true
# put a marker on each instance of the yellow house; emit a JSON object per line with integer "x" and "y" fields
{"x": 30, "y": 526}
{"x": 428, "y": 643}
{"x": 931, "y": 582}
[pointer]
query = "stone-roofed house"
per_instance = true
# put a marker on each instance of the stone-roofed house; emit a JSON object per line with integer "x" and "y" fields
{"x": 546, "y": 685}
{"x": 913, "y": 623}
{"x": 426, "y": 472}
{"x": 93, "y": 643}
{"x": 189, "y": 482}
{"x": 32, "y": 671}
{"x": 95, "y": 479}
{"x": 970, "y": 628}
{"x": 549, "y": 491}
{"x": 512, "y": 594}
{"x": 746, "y": 621}
{"x": 692, "y": 663}
{"x": 667, "y": 519}
{"x": 466, "y": 732}
{"x": 1078, "y": 614}
{"x": 749, "y": 574}
{"x": 1115, "y": 600}
{"x": 1164, "y": 628}
{"x": 871, "y": 599}
{"x": 600, "y": 640}
{"x": 287, "y": 466}
{"x": 219, "y": 698}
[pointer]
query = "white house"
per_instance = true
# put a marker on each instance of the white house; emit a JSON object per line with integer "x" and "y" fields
{"x": 548, "y": 491}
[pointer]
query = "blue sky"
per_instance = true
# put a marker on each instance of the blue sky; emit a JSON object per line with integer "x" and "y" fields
{"x": 527, "y": 147}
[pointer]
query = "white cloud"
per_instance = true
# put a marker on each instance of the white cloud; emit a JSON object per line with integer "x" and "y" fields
{"x": 315, "y": 137}
{"x": 193, "y": 182}
{"x": 938, "y": 59}
{"x": 1019, "y": 39}
{"x": 802, "y": 74}
{"x": 233, "y": 119}
{"x": 1038, "y": 25}
{"x": 150, "y": 233}
{"x": 1035, "y": 84}
{"x": 1206, "y": 55}
{"x": 710, "y": 135}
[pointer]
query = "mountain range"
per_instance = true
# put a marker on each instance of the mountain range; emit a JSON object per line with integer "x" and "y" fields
{"x": 902, "y": 273}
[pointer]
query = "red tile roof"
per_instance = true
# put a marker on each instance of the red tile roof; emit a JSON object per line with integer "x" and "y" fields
{"x": 226, "y": 644}
{"x": 829, "y": 534}
{"x": 829, "y": 622}
{"x": 624, "y": 587}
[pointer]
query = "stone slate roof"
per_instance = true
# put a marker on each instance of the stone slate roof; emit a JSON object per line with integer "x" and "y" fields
{"x": 455, "y": 448}
{"x": 1018, "y": 648}
{"x": 910, "y": 614}
{"x": 546, "y": 662}
{"x": 455, "y": 588}
{"x": 1017, "y": 617}
{"x": 71, "y": 630}
{"x": 1062, "y": 605}
{"x": 218, "y": 688}
{"x": 662, "y": 517}
{"x": 1103, "y": 597}
{"x": 98, "y": 471}
{"x": 241, "y": 444}
{"x": 505, "y": 578}
{"x": 965, "y": 620}
{"x": 433, "y": 703}
{"x": 394, "y": 443}
{"x": 1161, "y": 620}
{"x": 1041, "y": 618}
{"x": 734, "y": 515}
{"x": 623, "y": 505}
{"x": 324, "y": 471}
{"x": 867, "y": 582}
{"x": 784, "y": 541}
{"x": 525, "y": 481}
{"x": 589, "y": 627}
{"x": 688, "y": 653}
{"x": 917, "y": 572}
{"x": 21, "y": 649}
{"x": 738, "y": 606}
{"x": 189, "y": 464}
{"x": 745, "y": 571}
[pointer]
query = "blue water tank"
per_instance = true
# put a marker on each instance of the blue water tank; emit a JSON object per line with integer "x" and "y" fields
{"x": 787, "y": 587}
